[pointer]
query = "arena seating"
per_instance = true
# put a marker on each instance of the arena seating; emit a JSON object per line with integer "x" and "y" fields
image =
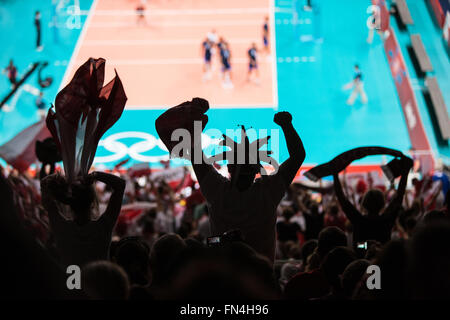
{"x": 421, "y": 55}
{"x": 403, "y": 12}
{"x": 439, "y": 107}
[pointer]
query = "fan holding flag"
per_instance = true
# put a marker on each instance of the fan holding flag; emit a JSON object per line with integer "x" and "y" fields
{"x": 377, "y": 219}
{"x": 84, "y": 111}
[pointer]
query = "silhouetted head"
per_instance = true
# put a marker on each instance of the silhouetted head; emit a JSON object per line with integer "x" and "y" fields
{"x": 163, "y": 253}
{"x": 243, "y": 175}
{"x": 373, "y": 201}
{"x": 104, "y": 280}
{"x": 333, "y": 210}
{"x": 313, "y": 208}
{"x": 82, "y": 201}
{"x": 330, "y": 238}
{"x": 230, "y": 271}
{"x": 133, "y": 254}
{"x": 288, "y": 213}
{"x": 430, "y": 261}
{"x": 352, "y": 276}
{"x": 335, "y": 263}
{"x": 356, "y": 67}
{"x": 393, "y": 262}
{"x": 308, "y": 248}
{"x": 80, "y": 197}
{"x": 245, "y": 159}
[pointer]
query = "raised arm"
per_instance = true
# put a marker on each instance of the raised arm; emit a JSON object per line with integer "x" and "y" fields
{"x": 349, "y": 209}
{"x": 393, "y": 208}
{"x": 117, "y": 184}
{"x": 289, "y": 168}
{"x": 200, "y": 162}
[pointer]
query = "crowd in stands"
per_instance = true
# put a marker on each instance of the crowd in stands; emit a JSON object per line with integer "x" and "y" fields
{"x": 213, "y": 232}
{"x": 137, "y": 237}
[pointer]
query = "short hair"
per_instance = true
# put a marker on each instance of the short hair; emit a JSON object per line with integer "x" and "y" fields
{"x": 352, "y": 275}
{"x": 335, "y": 263}
{"x": 330, "y": 238}
{"x": 132, "y": 254}
{"x": 104, "y": 280}
{"x": 287, "y": 214}
{"x": 308, "y": 248}
{"x": 373, "y": 200}
{"x": 430, "y": 261}
{"x": 163, "y": 253}
{"x": 333, "y": 209}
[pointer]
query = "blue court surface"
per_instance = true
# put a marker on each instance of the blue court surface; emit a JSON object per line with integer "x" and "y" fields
{"x": 315, "y": 54}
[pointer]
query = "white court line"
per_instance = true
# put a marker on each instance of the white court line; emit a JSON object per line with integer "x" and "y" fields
{"x": 78, "y": 45}
{"x": 284, "y": 10}
{"x": 157, "y": 42}
{"x": 209, "y": 23}
{"x": 296, "y": 59}
{"x": 211, "y": 106}
{"x": 173, "y": 61}
{"x": 167, "y": 12}
{"x": 273, "y": 45}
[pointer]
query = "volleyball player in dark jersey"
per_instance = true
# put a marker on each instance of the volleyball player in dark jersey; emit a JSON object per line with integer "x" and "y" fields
{"x": 140, "y": 13}
{"x": 226, "y": 65}
{"x": 11, "y": 72}
{"x": 266, "y": 34}
{"x": 253, "y": 62}
{"x": 207, "y": 46}
{"x": 37, "y": 24}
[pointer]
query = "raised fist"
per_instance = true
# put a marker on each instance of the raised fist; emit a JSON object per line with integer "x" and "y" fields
{"x": 282, "y": 118}
{"x": 407, "y": 163}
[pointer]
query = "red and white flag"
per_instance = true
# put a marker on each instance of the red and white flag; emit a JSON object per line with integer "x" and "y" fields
{"x": 20, "y": 151}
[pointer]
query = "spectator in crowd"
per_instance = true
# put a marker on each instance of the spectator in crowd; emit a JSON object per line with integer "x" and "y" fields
{"x": 333, "y": 266}
{"x": 81, "y": 236}
{"x": 333, "y": 218}
{"x": 352, "y": 275}
{"x": 373, "y": 226}
{"x": 243, "y": 203}
{"x": 286, "y": 229}
{"x": 151, "y": 241}
{"x": 313, "y": 284}
{"x": 104, "y": 280}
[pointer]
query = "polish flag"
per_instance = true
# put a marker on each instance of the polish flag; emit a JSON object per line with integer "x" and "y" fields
{"x": 20, "y": 151}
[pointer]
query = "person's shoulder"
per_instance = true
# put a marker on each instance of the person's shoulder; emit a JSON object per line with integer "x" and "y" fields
{"x": 215, "y": 177}
{"x": 270, "y": 178}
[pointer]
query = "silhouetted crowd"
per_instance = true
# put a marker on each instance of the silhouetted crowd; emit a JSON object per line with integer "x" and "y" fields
{"x": 140, "y": 237}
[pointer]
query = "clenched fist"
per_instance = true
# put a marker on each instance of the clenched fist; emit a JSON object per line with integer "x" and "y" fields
{"x": 282, "y": 118}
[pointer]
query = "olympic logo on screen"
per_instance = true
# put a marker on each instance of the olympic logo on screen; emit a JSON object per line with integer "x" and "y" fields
{"x": 119, "y": 148}
{"x": 116, "y": 145}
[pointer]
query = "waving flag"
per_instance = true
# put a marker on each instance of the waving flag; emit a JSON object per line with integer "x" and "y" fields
{"x": 84, "y": 111}
{"x": 340, "y": 162}
{"x": 20, "y": 151}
